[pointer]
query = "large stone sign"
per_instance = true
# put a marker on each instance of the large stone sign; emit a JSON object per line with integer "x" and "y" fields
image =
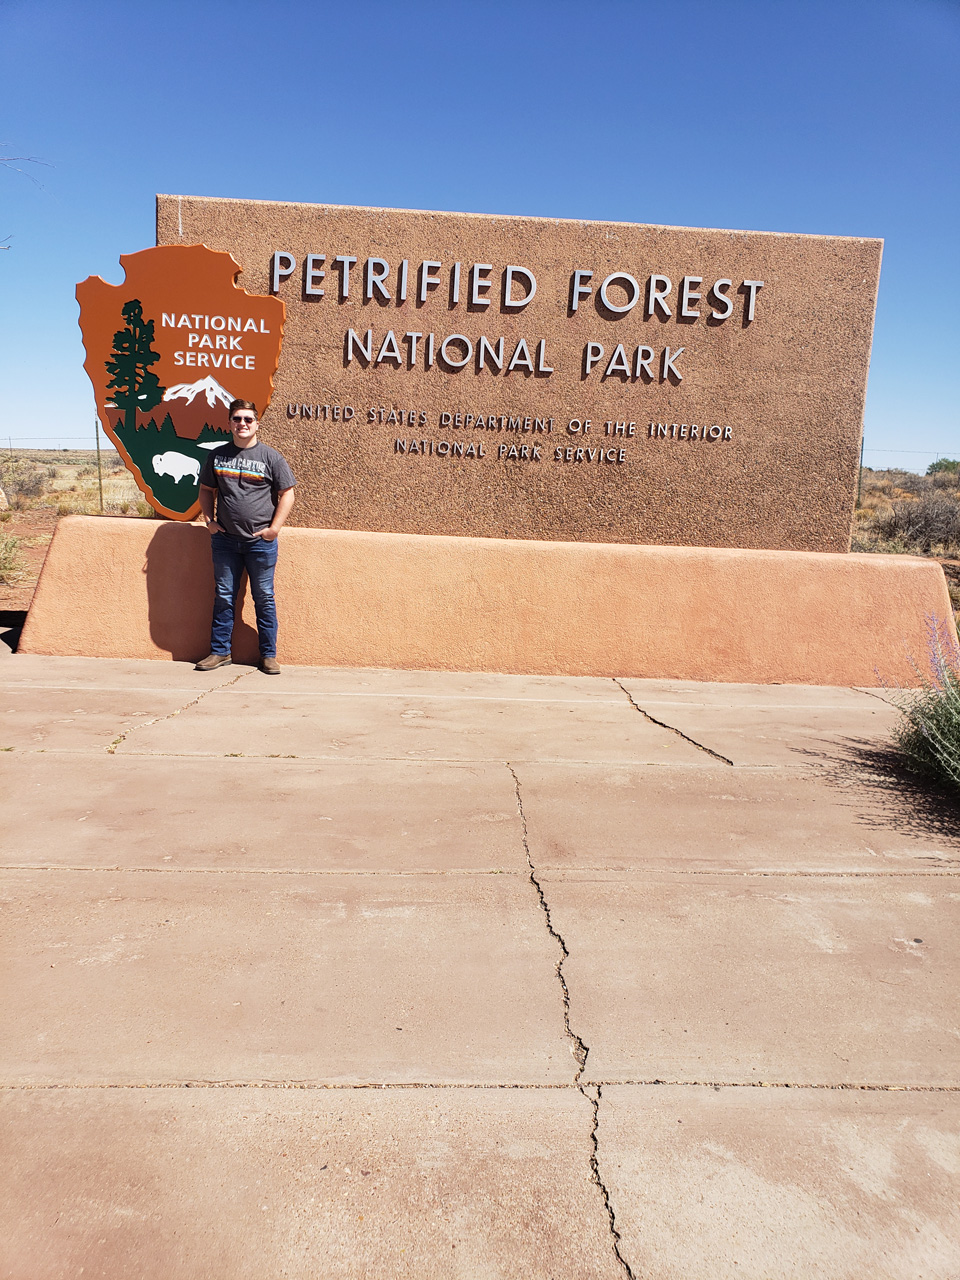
{"x": 536, "y": 378}
{"x": 633, "y": 449}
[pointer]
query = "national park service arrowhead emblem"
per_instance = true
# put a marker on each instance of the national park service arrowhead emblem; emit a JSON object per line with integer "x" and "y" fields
{"x": 167, "y": 351}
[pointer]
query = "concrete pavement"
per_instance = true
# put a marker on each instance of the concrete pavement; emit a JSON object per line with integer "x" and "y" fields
{"x": 372, "y": 973}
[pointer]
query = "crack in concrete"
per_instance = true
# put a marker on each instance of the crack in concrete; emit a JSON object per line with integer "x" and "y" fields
{"x": 406, "y": 696}
{"x": 870, "y": 693}
{"x": 411, "y": 759}
{"x": 112, "y": 748}
{"x": 579, "y": 1048}
{"x": 11, "y": 1087}
{"x": 920, "y": 873}
{"x": 588, "y": 1092}
{"x": 377, "y": 873}
{"x": 790, "y": 770}
{"x": 669, "y": 727}
{"x": 789, "y": 1084}
{"x": 927, "y": 873}
{"x": 717, "y": 1086}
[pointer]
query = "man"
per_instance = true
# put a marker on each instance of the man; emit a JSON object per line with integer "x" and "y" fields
{"x": 253, "y": 489}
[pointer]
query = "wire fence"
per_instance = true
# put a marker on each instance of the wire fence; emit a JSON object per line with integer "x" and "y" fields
{"x": 905, "y": 459}
{"x": 59, "y": 444}
{"x": 63, "y": 444}
{"x": 919, "y": 453}
{"x": 913, "y": 459}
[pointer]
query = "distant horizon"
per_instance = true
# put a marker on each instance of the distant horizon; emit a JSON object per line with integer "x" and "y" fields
{"x": 82, "y": 446}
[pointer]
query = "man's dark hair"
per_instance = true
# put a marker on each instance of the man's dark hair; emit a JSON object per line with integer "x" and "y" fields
{"x": 241, "y": 404}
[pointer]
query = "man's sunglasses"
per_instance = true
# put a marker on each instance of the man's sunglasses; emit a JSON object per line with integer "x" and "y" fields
{"x": 242, "y": 418}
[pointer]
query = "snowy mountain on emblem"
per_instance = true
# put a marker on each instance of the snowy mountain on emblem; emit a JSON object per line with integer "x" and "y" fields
{"x": 207, "y": 387}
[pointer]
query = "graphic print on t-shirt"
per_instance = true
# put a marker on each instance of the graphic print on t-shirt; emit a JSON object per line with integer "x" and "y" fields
{"x": 240, "y": 467}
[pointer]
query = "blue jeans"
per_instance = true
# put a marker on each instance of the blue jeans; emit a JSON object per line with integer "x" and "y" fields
{"x": 230, "y": 557}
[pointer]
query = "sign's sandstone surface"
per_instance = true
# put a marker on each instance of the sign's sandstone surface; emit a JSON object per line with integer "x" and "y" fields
{"x": 537, "y": 378}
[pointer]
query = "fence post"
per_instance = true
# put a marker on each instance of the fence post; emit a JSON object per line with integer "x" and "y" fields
{"x": 96, "y": 423}
{"x": 860, "y": 472}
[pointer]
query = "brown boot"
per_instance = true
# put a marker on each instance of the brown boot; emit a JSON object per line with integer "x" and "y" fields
{"x": 213, "y": 661}
{"x": 269, "y": 666}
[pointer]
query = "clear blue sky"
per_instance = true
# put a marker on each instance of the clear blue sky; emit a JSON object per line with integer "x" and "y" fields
{"x": 836, "y": 118}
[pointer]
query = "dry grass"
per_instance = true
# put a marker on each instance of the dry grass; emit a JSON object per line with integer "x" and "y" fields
{"x": 69, "y": 484}
{"x": 12, "y": 567}
{"x": 903, "y": 513}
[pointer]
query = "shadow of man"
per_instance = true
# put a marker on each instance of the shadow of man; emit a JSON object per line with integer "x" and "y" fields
{"x": 179, "y": 573}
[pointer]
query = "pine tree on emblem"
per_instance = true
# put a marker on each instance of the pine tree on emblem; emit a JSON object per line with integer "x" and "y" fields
{"x": 134, "y": 386}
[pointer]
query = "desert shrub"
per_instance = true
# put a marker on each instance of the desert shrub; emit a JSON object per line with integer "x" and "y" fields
{"x": 928, "y": 735}
{"x": 21, "y": 478}
{"x": 11, "y": 561}
{"x": 903, "y": 513}
{"x": 931, "y": 522}
{"x": 944, "y": 465}
{"x": 145, "y": 509}
{"x": 896, "y": 480}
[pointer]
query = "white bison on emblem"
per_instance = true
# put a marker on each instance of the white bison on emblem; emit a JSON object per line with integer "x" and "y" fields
{"x": 176, "y": 465}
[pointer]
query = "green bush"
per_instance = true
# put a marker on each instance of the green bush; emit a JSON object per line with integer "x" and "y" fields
{"x": 928, "y": 736}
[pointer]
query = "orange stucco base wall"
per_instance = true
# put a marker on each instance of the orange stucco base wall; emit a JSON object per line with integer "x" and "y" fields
{"x": 124, "y": 588}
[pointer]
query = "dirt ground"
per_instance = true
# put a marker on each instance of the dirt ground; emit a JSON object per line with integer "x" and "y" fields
{"x": 69, "y": 486}
{"x": 34, "y": 529}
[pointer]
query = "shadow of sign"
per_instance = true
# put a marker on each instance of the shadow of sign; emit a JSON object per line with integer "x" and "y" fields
{"x": 179, "y": 576}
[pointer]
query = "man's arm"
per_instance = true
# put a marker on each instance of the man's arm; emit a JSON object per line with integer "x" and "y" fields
{"x": 206, "y": 506}
{"x": 284, "y": 503}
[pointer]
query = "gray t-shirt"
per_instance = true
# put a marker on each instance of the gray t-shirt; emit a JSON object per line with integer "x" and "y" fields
{"x": 248, "y": 483}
